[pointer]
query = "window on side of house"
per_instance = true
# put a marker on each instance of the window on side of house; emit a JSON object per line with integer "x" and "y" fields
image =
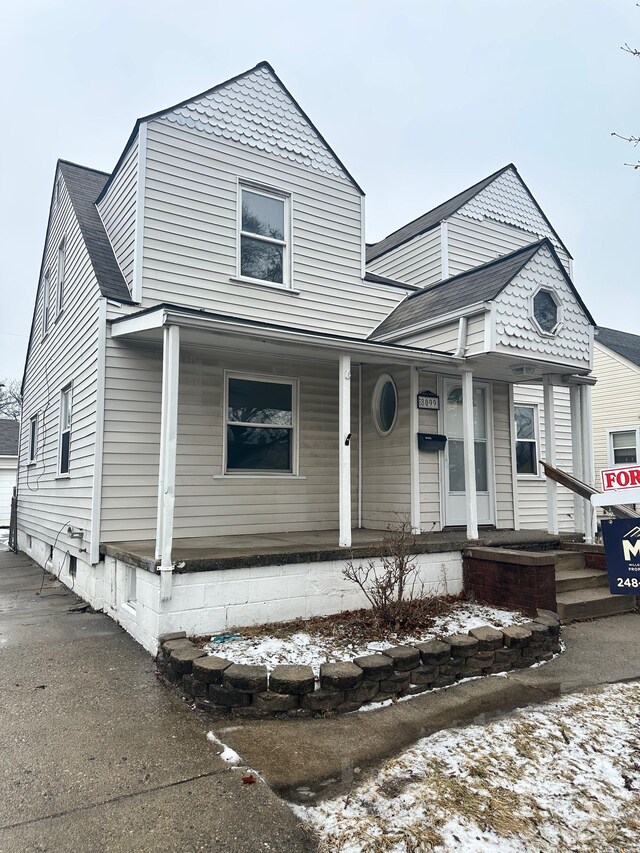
{"x": 33, "y": 438}
{"x": 526, "y": 425}
{"x": 261, "y": 416}
{"x": 64, "y": 453}
{"x": 623, "y": 446}
{"x": 264, "y": 236}
{"x": 61, "y": 269}
{"x": 46, "y": 296}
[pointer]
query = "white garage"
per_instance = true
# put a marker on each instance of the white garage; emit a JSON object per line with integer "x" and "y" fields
{"x": 8, "y": 466}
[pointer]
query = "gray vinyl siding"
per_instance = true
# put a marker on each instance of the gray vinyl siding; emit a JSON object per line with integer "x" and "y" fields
{"x": 206, "y": 503}
{"x": 416, "y": 262}
{"x": 386, "y": 465}
{"x": 532, "y": 491}
{"x": 473, "y": 242}
{"x": 445, "y": 337}
{"x": 118, "y": 212}
{"x": 190, "y": 234}
{"x": 502, "y": 456}
{"x": 616, "y": 401}
{"x": 47, "y": 505}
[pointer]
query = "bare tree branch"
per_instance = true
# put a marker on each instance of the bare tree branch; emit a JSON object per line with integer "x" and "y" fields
{"x": 10, "y": 399}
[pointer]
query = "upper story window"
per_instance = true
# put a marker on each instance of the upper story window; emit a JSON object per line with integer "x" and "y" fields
{"x": 46, "y": 297}
{"x": 61, "y": 269}
{"x": 64, "y": 451}
{"x": 546, "y": 311}
{"x": 264, "y": 236}
{"x": 526, "y": 422}
{"x": 624, "y": 446}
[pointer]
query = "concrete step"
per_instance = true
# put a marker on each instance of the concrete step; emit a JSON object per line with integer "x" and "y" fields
{"x": 568, "y": 561}
{"x": 569, "y": 581}
{"x": 591, "y": 604}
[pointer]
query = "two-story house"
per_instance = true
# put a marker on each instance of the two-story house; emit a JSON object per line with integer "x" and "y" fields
{"x": 226, "y": 391}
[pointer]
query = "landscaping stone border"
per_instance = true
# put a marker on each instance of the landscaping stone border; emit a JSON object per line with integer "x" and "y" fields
{"x": 220, "y": 686}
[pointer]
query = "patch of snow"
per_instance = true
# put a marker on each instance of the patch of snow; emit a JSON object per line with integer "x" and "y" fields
{"x": 564, "y": 776}
{"x": 229, "y": 755}
{"x": 312, "y": 650}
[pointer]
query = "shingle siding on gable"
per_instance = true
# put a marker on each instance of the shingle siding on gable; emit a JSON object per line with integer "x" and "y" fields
{"x": 118, "y": 212}
{"x": 190, "y": 234}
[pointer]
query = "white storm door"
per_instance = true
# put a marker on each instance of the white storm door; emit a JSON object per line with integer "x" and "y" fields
{"x": 454, "y": 479}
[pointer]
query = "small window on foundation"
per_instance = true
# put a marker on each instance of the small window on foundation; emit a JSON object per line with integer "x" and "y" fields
{"x": 132, "y": 591}
{"x": 73, "y": 565}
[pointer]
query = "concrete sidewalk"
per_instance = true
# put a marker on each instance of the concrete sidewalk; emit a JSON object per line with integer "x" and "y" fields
{"x": 96, "y": 755}
{"x": 323, "y": 756}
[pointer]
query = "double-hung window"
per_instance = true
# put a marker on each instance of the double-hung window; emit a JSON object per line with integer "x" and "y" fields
{"x": 64, "y": 451}
{"x": 526, "y": 425}
{"x": 264, "y": 236}
{"x": 61, "y": 266}
{"x": 261, "y": 425}
{"x": 624, "y": 446}
{"x": 33, "y": 438}
{"x": 46, "y": 296}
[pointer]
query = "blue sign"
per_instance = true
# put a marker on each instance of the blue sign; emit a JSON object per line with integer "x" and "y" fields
{"x": 622, "y": 549}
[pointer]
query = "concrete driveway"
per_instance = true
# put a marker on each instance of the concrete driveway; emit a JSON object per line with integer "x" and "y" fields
{"x": 96, "y": 755}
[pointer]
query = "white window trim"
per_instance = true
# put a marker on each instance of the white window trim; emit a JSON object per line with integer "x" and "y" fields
{"x": 375, "y": 403}
{"x": 46, "y": 303}
{"x": 557, "y": 300}
{"x": 295, "y": 426}
{"x": 63, "y": 475}
{"x": 60, "y": 276}
{"x": 33, "y": 439}
{"x": 535, "y": 440}
{"x": 287, "y": 243}
{"x": 610, "y": 456}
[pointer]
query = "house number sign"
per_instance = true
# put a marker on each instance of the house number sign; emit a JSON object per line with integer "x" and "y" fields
{"x": 428, "y": 400}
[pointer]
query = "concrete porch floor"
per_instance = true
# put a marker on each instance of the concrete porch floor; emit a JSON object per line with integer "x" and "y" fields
{"x": 208, "y": 553}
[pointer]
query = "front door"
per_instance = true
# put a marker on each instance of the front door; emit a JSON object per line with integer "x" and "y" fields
{"x": 454, "y": 485}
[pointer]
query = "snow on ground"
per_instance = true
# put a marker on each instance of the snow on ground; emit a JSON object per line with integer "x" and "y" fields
{"x": 303, "y": 648}
{"x": 564, "y": 776}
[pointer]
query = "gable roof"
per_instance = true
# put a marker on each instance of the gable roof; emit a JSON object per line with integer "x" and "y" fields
{"x": 479, "y": 284}
{"x": 8, "y": 437}
{"x": 434, "y": 217}
{"x": 208, "y": 92}
{"x": 624, "y": 343}
{"x": 84, "y": 185}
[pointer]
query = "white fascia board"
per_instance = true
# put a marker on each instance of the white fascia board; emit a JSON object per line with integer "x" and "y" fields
{"x": 164, "y": 316}
{"x": 560, "y": 367}
{"x": 138, "y": 246}
{"x": 434, "y": 322}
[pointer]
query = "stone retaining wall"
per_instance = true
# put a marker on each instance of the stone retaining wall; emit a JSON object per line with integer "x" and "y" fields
{"x": 220, "y": 686}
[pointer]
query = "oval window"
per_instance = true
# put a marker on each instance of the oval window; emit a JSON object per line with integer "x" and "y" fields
{"x": 385, "y": 404}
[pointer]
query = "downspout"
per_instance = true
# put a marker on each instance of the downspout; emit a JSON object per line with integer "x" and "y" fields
{"x": 462, "y": 338}
{"x": 96, "y": 490}
{"x": 360, "y": 445}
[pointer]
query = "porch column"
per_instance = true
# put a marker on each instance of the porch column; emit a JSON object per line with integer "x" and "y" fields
{"x": 577, "y": 456}
{"x": 550, "y": 454}
{"x": 168, "y": 448}
{"x": 588, "y": 471}
{"x": 344, "y": 450}
{"x": 414, "y": 455}
{"x": 469, "y": 455}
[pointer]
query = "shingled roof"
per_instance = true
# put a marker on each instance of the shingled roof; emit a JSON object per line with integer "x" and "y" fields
{"x": 84, "y": 186}
{"x": 624, "y": 343}
{"x": 479, "y": 284}
{"x": 8, "y": 437}
{"x": 430, "y": 219}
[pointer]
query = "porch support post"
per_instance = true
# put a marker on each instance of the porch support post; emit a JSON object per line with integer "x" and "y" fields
{"x": 414, "y": 455}
{"x": 469, "y": 455}
{"x": 550, "y": 454}
{"x": 344, "y": 450}
{"x": 168, "y": 449}
{"x": 577, "y": 455}
{"x": 588, "y": 469}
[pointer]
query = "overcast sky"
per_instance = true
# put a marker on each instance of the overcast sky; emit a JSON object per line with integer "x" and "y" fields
{"x": 419, "y": 100}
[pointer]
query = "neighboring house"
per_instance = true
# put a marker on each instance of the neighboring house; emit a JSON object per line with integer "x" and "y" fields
{"x": 221, "y": 391}
{"x": 8, "y": 466}
{"x": 616, "y": 399}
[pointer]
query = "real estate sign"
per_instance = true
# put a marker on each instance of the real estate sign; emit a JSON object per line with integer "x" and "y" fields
{"x": 622, "y": 549}
{"x": 627, "y": 477}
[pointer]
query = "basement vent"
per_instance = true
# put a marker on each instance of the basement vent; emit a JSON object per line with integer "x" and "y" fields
{"x": 73, "y": 565}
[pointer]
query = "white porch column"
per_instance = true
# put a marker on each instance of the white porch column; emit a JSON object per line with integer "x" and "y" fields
{"x": 550, "y": 454}
{"x": 469, "y": 455}
{"x": 575, "y": 396}
{"x": 414, "y": 455}
{"x": 588, "y": 468}
{"x": 344, "y": 450}
{"x": 168, "y": 448}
